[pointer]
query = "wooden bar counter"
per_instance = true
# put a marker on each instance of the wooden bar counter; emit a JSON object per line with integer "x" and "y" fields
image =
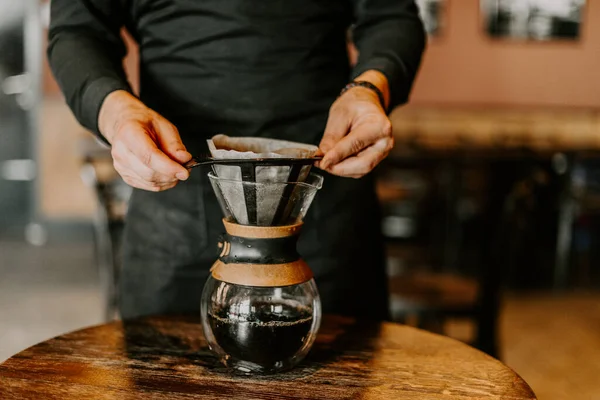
{"x": 167, "y": 358}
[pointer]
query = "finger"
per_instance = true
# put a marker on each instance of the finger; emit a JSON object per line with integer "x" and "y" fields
{"x": 144, "y": 185}
{"x": 337, "y": 127}
{"x": 350, "y": 145}
{"x": 127, "y": 164}
{"x": 150, "y": 188}
{"x": 147, "y": 174}
{"x": 364, "y": 162}
{"x": 170, "y": 142}
{"x": 318, "y": 153}
{"x": 143, "y": 148}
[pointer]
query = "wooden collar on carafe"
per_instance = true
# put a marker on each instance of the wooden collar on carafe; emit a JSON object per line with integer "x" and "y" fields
{"x": 262, "y": 232}
{"x": 260, "y": 274}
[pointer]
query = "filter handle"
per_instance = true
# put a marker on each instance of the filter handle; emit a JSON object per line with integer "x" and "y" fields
{"x": 267, "y": 162}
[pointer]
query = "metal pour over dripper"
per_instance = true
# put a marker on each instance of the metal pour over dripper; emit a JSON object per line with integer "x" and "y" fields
{"x": 248, "y": 202}
{"x": 260, "y": 183}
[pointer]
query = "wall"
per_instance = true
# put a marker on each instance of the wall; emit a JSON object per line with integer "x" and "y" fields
{"x": 465, "y": 67}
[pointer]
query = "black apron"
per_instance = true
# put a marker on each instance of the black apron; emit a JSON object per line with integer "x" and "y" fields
{"x": 246, "y": 69}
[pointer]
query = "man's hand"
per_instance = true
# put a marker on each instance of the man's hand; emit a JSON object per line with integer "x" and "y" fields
{"x": 146, "y": 148}
{"x": 358, "y": 135}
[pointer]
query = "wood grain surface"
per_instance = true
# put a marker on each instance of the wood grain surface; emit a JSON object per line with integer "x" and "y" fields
{"x": 167, "y": 358}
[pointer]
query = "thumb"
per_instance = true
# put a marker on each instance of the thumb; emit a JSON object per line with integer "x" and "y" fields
{"x": 169, "y": 141}
{"x": 337, "y": 127}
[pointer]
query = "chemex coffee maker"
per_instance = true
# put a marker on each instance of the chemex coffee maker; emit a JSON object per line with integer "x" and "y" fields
{"x": 260, "y": 306}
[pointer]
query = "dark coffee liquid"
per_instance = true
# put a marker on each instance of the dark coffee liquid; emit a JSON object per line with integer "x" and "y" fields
{"x": 274, "y": 332}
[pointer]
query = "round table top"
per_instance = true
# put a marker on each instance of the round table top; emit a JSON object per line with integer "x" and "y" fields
{"x": 167, "y": 358}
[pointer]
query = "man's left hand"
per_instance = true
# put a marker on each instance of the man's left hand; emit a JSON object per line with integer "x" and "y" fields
{"x": 358, "y": 135}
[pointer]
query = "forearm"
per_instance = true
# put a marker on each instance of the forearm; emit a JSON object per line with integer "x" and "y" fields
{"x": 390, "y": 39}
{"x": 85, "y": 54}
{"x": 85, "y": 77}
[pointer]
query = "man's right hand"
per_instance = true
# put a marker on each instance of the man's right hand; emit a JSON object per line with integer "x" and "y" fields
{"x": 146, "y": 148}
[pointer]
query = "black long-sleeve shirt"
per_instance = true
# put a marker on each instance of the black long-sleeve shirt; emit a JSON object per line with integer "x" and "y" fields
{"x": 245, "y": 67}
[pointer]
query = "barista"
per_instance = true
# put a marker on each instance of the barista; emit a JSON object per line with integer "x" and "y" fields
{"x": 268, "y": 68}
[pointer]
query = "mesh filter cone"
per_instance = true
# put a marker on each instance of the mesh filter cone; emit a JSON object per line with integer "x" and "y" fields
{"x": 254, "y": 194}
{"x": 274, "y": 203}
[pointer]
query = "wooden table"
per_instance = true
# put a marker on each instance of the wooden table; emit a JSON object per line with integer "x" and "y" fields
{"x": 167, "y": 358}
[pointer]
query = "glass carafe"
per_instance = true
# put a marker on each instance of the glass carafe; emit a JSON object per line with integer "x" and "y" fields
{"x": 260, "y": 307}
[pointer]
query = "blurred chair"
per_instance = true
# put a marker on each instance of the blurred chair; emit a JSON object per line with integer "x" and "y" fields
{"x": 112, "y": 196}
{"x": 521, "y": 219}
{"x": 578, "y": 217}
{"x": 424, "y": 212}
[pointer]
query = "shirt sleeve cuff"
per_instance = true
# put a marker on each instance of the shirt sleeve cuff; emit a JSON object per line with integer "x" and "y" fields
{"x": 94, "y": 97}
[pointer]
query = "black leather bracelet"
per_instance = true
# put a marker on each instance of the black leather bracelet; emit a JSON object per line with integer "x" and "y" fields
{"x": 367, "y": 85}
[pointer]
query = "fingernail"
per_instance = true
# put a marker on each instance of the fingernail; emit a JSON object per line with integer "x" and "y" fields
{"x": 183, "y": 155}
{"x": 182, "y": 176}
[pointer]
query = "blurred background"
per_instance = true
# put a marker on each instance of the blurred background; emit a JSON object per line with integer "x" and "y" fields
{"x": 491, "y": 197}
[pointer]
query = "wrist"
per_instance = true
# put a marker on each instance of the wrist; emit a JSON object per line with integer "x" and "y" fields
{"x": 380, "y": 81}
{"x": 368, "y": 88}
{"x": 111, "y": 110}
